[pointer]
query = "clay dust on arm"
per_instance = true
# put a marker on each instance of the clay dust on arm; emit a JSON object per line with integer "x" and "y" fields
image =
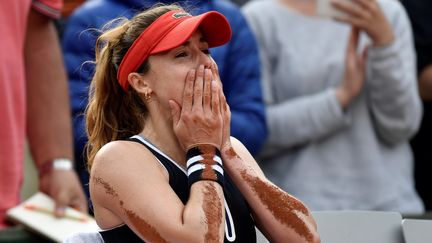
{"x": 154, "y": 212}
{"x": 280, "y": 216}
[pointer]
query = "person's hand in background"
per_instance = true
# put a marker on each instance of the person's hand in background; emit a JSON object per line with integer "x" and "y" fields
{"x": 368, "y": 16}
{"x": 354, "y": 76}
{"x": 64, "y": 187}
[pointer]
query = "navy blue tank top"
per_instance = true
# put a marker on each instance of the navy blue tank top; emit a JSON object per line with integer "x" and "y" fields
{"x": 239, "y": 225}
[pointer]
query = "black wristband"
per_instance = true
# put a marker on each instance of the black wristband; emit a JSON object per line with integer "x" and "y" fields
{"x": 204, "y": 163}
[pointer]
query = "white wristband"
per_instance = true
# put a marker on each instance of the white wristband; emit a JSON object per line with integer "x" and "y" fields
{"x": 62, "y": 164}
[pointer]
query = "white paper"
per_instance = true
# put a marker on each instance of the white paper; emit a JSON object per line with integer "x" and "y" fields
{"x": 45, "y": 223}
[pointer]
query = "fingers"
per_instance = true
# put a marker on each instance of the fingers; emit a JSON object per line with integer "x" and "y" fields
{"x": 367, "y": 15}
{"x": 80, "y": 204}
{"x": 351, "y": 54}
{"x": 360, "y": 13}
{"x": 188, "y": 91}
{"x": 226, "y": 118}
{"x": 198, "y": 93}
{"x": 364, "y": 57}
{"x": 215, "y": 72}
{"x": 215, "y": 101}
{"x": 202, "y": 91}
{"x": 175, "y": 111}
{"x": 368, "y": 5}
{"x": 226, "y": 113}
{"x": 73, "y": 199}
{"x": 353, "y": 40}
{"x": 61, "y": 202}
{"x": 198, "y": 89}
{"x": 352, "y": 9}
{"x": 207, "y": 89}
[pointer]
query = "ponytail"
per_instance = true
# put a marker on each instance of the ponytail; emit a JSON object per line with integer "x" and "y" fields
{"x": 113, "y": 114}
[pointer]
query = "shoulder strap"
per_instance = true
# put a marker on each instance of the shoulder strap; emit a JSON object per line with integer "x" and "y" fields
{"x": 159, "y": 156}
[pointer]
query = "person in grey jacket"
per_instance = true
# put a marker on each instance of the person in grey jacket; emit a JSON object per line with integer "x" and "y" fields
{"x": 342, "y": 103}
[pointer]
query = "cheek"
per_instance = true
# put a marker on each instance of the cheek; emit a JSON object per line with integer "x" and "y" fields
{"x": 177, "y": 84}
{"x": 177, "y": 92}
{"x": 171, "y": 81}
{"x": 171, "y": 89}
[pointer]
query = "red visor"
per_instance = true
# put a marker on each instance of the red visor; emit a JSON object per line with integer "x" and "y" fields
{"x": 170, "y": 31}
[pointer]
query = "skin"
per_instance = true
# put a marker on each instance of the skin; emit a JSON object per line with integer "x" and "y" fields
{"x": 187, "y": 108}
{"x": 179, "y": 78}
{"x": 47, "y": 98}
{"x": 354, "y": 76}
{"x": 364, "y": 16}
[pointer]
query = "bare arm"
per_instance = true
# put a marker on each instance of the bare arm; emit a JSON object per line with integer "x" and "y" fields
{"x": 280, "y": 216}
{"x": 128, "y": 185}
{"x": 48, "y": 115}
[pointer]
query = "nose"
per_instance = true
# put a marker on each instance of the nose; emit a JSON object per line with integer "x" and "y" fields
{"x": 205, "y": 60}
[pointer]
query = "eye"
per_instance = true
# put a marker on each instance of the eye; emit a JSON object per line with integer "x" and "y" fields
{"x": 206, "y": 51}
{"x": 181, "y": 54}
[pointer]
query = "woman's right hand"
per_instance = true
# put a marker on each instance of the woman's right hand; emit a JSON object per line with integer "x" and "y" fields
{"x": 199, "y": 119}
{"x": 355, "y": 69}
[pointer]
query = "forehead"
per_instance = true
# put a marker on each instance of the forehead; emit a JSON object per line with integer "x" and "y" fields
{"x": 196, "y": 36}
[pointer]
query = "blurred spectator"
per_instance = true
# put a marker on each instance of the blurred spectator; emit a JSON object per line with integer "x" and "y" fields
{"x": 339, "y": 121}
{"x": 240, "y": 2}
{"x": 33, "y": 97}
{"x": 420, "y": 13}
{"x": 240, "y": 78}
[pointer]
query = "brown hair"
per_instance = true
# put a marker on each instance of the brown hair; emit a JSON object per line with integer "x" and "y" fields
{"x": 112, "y": 113}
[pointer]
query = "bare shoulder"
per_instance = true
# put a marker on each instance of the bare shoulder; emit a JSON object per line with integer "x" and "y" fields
{"x": 119, "y": 156}
{"x": 121, "y": 161}
{"x": 119, "y": 169}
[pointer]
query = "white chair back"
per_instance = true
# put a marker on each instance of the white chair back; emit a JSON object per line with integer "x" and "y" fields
{"x": 417, "y": 230}
{"x": 359, "y": 226}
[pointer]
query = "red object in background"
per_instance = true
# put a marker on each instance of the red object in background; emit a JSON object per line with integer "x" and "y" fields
{"x": 69, "y": 6}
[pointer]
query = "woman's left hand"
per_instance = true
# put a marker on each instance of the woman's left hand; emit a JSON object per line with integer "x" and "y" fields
{"x": 199, "y": 120}
{"x": 225, "y": 110}
{"x": 367, "y": 15}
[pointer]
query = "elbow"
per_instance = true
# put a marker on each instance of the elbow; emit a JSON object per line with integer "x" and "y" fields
{"x": 396, "y": 135}
{"x": 315, "y": 237}
{"x": 395, "y": 131}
